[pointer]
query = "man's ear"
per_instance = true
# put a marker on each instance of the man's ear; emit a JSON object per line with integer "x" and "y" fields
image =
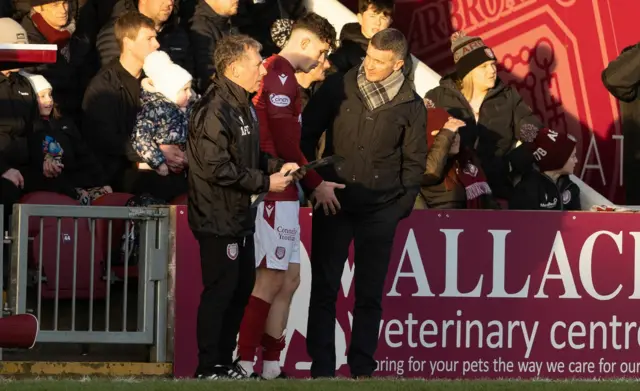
{"x": 359, "y": 16}
{"x": 304, "y": 43}
{"x": 398, "y": 65}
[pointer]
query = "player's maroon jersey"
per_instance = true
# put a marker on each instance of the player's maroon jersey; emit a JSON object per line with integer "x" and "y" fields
{"x": 279, "y": 112}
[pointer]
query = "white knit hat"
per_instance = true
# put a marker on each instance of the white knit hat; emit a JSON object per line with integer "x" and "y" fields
{"x": 12, "y": 32}
{"x": 166, "y": 77}
{"x": 38, "y": 82}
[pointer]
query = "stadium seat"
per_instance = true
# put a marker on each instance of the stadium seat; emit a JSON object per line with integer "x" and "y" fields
{"x": 50, "y": 239}
{"x": 180, "y": 200}
{"x": 117, "y": 230}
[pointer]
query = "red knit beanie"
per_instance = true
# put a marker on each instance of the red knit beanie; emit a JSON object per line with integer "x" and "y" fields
{"x": 552, "y": 149}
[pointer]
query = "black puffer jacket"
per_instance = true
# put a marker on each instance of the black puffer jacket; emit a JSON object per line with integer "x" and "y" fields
{"x": 497, "y": 131}
{"x": 622, "y": 79}
{"x": 173, "y": 38}
{"x": 68, "y": 87}
{"x": 207, "y": 28}
{"x": 226, "y": 165}
{"x": 385, "y": 150}
{"x": 353, "y": 49}
{"x": 536, "y": 191}
{"x": 18, "y": 111}
{"x": 255, "y": 20}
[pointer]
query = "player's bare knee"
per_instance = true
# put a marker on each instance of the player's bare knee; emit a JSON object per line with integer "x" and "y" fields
{"x": 268, "y": 283}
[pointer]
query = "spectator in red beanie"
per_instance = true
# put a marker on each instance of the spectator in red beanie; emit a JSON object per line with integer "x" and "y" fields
{"x": 453, "y": 178}
{"x": 548, "y": 186}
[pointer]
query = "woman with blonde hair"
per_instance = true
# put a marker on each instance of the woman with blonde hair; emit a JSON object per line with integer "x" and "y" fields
{"x": 493, "y": 112}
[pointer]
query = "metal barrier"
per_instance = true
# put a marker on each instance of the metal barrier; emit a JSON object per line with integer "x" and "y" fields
{"x": 28, "y": 279}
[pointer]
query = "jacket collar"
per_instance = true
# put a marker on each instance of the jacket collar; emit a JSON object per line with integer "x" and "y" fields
{"x": 405, "y": 95}
{"x": 238, "y": 95}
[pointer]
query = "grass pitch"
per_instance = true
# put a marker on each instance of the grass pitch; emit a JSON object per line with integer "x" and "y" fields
{"x": 309, "y": 385}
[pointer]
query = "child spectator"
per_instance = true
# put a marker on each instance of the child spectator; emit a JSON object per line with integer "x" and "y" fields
{"x": 548, "y": 186}
{"x": 454, "y": 178}
{"x": 163, "y": 120}
{"x": 59, "y": 161}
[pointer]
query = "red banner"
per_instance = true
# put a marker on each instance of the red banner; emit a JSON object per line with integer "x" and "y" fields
{"x": 553, "y": 52}
{"x": 476, "y": 295}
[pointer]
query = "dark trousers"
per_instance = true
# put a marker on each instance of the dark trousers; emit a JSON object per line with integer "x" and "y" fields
{"x": 373, "y": 235}
{"x": 228, "y": 275}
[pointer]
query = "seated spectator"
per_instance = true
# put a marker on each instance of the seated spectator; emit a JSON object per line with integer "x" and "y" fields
{"x": 494, "y": 113}
{"x": 453, "y": 178}
{"x": 18, "y": 110}
{"x": 163, "y": 120}
{"x": 112, "y": 100}
{"x": 59, "y": 161}
{"x": 49, "y": 23}
{"x": 548, "y": 186}
{"x": 211, "y": 21}
{"x": 373, "y": 16}
{"x": 171, "y": 35}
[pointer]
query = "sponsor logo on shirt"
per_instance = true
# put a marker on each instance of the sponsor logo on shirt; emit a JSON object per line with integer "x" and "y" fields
{"x": 279, "y": 100}
{"x": 566, "y": 197}
{"x": 23, "y": 93}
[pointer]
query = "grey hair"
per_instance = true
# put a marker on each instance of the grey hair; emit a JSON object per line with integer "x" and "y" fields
{"x": 231, "y": 48}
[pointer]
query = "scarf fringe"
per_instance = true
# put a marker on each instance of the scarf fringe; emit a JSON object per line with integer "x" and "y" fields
{"x": 477, "y": 189}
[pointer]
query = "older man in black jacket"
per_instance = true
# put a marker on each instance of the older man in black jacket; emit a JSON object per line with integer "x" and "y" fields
{"x": 378, "y": 124}
{"x": 226, "y": 169}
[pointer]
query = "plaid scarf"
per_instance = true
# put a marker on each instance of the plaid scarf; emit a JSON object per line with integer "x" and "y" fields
{"x": 377, "y": 94}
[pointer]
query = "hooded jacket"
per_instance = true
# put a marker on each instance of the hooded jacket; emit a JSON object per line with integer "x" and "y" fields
{"x": 173, "y": 38}
{"x": 497, "y": 131}
{"x": 159, "y": 122}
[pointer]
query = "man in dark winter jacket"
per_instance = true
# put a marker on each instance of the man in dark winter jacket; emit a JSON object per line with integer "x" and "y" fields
{"x": 226, "y": 169}
{"x": 622, "y": 79}
{"x": 377, "y": 123}
{"x": 112, "y": 99}
{"x": 171, "y": 35}
{"x": 211, "y": 21}
{"x": 47, "y": 25}
{"x": 373, "y": 16}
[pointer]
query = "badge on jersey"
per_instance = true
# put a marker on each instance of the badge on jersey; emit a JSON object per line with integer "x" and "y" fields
{"x": 283, "y": 78}
{"x": 280, "y": 252}
{"x": 232, "y": 251}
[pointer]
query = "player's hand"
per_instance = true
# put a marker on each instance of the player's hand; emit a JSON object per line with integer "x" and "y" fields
{"x": 278, "y": 182}
{"x": 289, "y": 168}
{"x": 15, "y": 177}
{"x": 324, "y": 196}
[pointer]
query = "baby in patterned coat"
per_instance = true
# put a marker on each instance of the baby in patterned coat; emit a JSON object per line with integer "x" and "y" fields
{"x": 163, "y": 119}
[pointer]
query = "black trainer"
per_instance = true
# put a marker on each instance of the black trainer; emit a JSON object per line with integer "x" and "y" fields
{"x": 256, "y": 376}
{"x": 226, "y": 372}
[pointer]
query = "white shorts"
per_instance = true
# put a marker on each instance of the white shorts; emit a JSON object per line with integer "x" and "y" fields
{"x": 277, "y": 237}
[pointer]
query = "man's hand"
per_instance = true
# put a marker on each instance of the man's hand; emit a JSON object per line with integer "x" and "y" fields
{"x": 15, "y": 177}
{"x": 176, "y": 159}
{"x": 324, "y": 196}
{"x": 163, "y": 169}
{"x": 294, "y": 170}
{"x": 278, "y": 182}
{"x": 51, "y": 168}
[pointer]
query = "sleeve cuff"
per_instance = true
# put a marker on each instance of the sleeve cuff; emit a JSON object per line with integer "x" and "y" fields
{"x": 312, "y": 180}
